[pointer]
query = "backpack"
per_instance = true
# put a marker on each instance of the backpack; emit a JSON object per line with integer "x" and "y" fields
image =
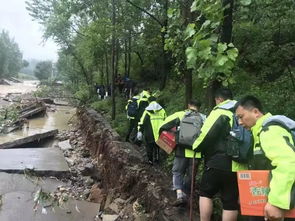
{"x": 239, "y": 143}
{"x": 132, "y": 109}
{"x": 189, "y": 128}
{"x": 282, "y": 121}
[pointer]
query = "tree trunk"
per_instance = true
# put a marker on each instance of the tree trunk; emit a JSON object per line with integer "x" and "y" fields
{"x": 126, "y": 57}
{"x": 227, "y": 25}
{"x": 226, "y": 37}
{"x": 164, "y": 62}
{"x": 188, "y": 79}
{"x": 113, "y": 60}
{"x": 129, "y": 53}
{"x": 107, "y": 67}
{"x": 102, "y": 71}
{"x": 117, "y": 47}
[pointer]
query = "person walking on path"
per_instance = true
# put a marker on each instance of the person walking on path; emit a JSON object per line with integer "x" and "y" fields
{"x": 148, "y": 128}
{"x": 132, "y": 112}
{"x": 183, "y": 154}
{"x": 220, "y": 171}
{"x": 274, "y": 150}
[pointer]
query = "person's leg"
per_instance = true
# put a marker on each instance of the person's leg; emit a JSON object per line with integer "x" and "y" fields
{"x": 131, "y": 127}
{"x": 178, "y": 169}
{"x": 229, "y": 215}
{"x": 206, "y": 208}
{"x": 157, "y": 153}
{"x": 229, "y": 196}
{"x": 149, "y": 152}
{"x": 208, "y": 188}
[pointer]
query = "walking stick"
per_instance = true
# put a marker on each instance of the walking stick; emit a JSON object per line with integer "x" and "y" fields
{"x": 192, "y": 189}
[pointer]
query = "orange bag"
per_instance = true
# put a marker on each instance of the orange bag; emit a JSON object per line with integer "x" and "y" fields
{"x": 253, "y": 189}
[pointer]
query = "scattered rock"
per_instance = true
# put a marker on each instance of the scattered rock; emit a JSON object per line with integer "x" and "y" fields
{"x": 65, "y": 145}
{"x": 113, "y": 206}
{"x": 107, "y": 217}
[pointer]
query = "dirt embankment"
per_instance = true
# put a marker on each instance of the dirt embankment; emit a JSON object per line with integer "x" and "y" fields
{"x": 129, "y": 188}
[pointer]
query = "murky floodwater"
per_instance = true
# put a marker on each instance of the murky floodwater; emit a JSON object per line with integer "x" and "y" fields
{"x": 57, "y": 119}
{"x": 25, "y": 87}
{"x": 52, "y": 120}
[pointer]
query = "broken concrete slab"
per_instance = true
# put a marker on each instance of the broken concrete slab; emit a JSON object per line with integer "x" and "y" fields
{"x": 19, "y": 182}
{"x": 65, "y": 145}
{"x": 43, "y": 161}
{"x": 19, "y": 206}
{"x": 33, "y": 138}
{"x": 31, "y": 113}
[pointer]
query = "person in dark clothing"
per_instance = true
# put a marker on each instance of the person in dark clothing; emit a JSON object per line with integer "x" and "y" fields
{"x": 220, "y": 171}
{"x": 143, "y": 102}
{"x": 131, "y": 110}
{"x": 102, "y": 92}
{"x": 148, "y": 127}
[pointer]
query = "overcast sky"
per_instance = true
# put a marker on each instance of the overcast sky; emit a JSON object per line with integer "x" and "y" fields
{"x": 27, "y": 33}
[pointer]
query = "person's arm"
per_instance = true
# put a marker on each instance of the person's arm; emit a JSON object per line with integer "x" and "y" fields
{"x": 278, "y": 147}
{"x": 170, "y": 122}
{"x": 141, "y": 122}
{"x": 215, "y": 126}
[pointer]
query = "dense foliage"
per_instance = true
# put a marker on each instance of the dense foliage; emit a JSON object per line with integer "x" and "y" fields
{"x": 43, "y": 70}
{"x": 184, "y": 46}
{"x": 10, "y": 56}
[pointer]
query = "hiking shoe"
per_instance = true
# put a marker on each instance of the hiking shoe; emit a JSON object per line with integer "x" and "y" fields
{"x": 179, "y": 202}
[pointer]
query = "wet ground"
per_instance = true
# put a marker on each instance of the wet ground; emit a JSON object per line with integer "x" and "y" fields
{"x": 22, "y": 88}
{"x": 57, "y": 119}
{"x": 17, "y": 190}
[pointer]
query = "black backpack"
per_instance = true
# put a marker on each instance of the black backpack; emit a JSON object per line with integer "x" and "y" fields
{"x": 239, "y": 143}
{"x": 189, "y": 128}
{"x": 132, "y": 109}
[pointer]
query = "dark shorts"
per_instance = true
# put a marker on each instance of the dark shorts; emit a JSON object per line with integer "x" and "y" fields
{"x": 224, "y": 182}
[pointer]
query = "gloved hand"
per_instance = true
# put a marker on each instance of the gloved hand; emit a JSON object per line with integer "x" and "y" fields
{"x": 139, "y": 136}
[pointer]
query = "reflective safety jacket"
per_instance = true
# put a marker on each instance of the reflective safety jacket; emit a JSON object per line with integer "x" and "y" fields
{"x": 174, "y": 121}
{"x": 274, "y": 150}
{"x": 150, "y": 122}
{"x": 142, "y": 104}
{"x": 144, "y": 94}
{"x": 212, "y": 140}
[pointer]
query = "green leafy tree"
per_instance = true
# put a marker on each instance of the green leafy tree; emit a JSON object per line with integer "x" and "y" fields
{"x": 43, "y": 70}
{"x": 10, "y": 56}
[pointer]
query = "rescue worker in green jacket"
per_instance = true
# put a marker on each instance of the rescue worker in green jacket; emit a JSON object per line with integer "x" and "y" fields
{"x": 143, "y": 102}
{"x": 148, "y": 128}
{"x": 220, "y": 171}
{"x": 273, "y": 150}
{"x": 132, "y": 113}
{"x": 182, "y": 163}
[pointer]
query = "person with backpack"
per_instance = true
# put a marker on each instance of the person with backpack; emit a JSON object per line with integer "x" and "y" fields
{"x": 188, "y": 125}
{"x": 132, "y": 109}
{"x": 148, "y": 128}
{"x": 143, "y": 102}
{"x": 274, "y": 150}
{"x": 102, "y": 92}
{"x": 220, "y": 170}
